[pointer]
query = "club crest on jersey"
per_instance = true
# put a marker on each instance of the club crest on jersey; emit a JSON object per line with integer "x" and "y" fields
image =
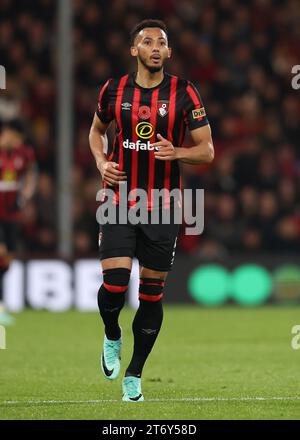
{"x": 144, "y": 112}
{"x": 162, "y": 108}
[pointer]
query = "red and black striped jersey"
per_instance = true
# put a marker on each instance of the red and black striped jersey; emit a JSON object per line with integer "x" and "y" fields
{"x": 13, "y": 165}
{"x": 140, "y": 113}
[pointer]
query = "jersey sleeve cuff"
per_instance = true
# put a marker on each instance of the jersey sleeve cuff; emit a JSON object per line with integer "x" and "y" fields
{"x": 199, "y": 124}
{"x": 102, "y": 117}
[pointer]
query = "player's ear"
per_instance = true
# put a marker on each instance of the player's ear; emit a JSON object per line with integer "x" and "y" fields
{"x": 133, "y": 51}
{"x": 169, "y": 52}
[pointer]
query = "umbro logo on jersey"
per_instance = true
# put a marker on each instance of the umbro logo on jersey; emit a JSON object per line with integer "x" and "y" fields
{"x": 126, "y": 105}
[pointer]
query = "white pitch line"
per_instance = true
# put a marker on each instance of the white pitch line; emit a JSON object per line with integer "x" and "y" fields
{"x": 183, "y": 399}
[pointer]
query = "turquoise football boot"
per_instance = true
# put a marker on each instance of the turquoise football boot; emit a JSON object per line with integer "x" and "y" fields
{"x": 6, "y": 319}
{"x": 132, "y": 389}
{"x": 110, "y": 358}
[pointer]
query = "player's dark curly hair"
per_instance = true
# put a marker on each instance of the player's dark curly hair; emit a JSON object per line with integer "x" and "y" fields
{"x": 148, "y": 23}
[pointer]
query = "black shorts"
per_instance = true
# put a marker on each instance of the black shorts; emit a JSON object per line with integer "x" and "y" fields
{"x": 152, "y": 244}
{"x": 9, "y": 235}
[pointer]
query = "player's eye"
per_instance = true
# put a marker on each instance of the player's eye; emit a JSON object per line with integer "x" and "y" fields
{"x": 163, "y": 43}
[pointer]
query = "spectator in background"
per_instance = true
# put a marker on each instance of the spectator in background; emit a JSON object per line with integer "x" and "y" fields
{"x": 17, "y": 183}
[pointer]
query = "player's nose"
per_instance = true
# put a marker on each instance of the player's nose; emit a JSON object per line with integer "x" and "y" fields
{"x": 155, "y": 52}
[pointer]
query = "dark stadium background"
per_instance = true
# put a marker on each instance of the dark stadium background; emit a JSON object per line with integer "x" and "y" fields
{"x": 240, "y": 54}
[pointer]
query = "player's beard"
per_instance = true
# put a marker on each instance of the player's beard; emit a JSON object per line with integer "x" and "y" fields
{"x": 152, "y": 69}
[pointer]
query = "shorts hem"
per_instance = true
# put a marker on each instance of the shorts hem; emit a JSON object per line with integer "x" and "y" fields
{"x": 150, "y": 266}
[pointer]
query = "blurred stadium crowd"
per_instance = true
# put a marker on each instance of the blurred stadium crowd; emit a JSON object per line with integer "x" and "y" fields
{"x": 238, "y": 53}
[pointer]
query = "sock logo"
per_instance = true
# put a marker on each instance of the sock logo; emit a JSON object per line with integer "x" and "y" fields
{"x": 115, "y": 309}
{"x": 149, "y": 331}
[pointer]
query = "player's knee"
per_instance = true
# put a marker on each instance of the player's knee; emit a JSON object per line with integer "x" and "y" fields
{"x": 151, "y": 290}
{"x": 116, "y": 280}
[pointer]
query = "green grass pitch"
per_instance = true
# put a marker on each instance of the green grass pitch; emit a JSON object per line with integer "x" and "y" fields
{"x": 226, "y": 363}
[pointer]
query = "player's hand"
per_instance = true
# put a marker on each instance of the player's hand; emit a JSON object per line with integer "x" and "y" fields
{"x": 167, "y": 151}
{"x": 111, "y": 174}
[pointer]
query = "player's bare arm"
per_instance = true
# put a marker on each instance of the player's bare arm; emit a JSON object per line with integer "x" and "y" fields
{"x": 201, "y": 153}
{"x": 98, "y": 138}
{"x": 29, "y": 185}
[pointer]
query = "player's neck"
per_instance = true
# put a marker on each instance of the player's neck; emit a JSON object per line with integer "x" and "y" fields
{"x": 146, "y": 79}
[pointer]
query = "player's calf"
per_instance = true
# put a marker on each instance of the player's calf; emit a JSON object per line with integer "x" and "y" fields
{"x": 146, "y": 327}
{"x": 111, "y": 299}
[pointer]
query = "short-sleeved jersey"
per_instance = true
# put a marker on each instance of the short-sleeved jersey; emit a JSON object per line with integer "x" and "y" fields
{"x": 13, "y": 165}
{"x": 140, "y": 114}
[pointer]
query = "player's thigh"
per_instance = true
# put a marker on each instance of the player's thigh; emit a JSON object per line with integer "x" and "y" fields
{"x": 150, "y": 273}
{"x": 117, "y": 244}
{"x": 155, "y": 247}
{"x": 114, "y": 262}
